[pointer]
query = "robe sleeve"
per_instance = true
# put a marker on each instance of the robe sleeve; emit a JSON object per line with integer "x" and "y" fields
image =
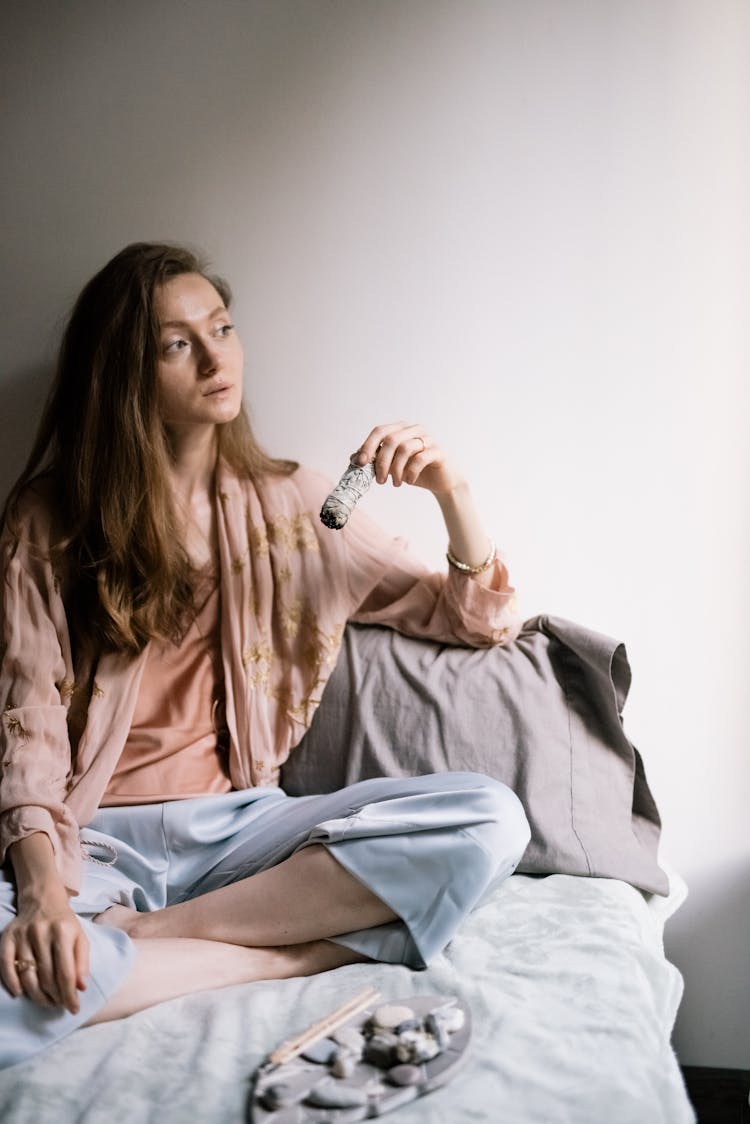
{"x": 452, "y": 608}
{"x": 36, "y": 684}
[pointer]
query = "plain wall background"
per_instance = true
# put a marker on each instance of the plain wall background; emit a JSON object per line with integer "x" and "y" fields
{"x": 522, "y": 223}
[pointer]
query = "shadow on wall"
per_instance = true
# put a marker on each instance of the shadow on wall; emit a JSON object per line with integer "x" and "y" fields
{"x": 22, "y": 397}
{"x": 712, "y": 929}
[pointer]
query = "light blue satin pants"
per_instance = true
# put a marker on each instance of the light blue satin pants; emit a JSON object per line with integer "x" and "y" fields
{"x": 427, "y": 846}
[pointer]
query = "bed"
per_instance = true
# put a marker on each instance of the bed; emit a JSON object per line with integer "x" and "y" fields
{"x": 562, "y": 965}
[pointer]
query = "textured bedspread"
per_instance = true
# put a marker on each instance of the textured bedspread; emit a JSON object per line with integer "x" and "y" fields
{"x": 573, "y": 1006}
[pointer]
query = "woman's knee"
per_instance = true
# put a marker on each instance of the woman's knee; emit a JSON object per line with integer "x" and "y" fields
{"x": 505, "y": 830}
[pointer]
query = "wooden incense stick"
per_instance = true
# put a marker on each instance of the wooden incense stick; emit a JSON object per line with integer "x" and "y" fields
{"x": 294, "y": 1046}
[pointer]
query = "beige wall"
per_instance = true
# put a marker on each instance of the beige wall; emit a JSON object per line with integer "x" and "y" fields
{"x": 523, "y": 223}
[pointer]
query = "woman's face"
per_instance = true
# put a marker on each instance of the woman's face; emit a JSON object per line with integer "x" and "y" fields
{"x": 199, "y": 372}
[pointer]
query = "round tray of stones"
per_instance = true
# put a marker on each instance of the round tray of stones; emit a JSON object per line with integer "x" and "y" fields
{"x": 382, "y": 1058}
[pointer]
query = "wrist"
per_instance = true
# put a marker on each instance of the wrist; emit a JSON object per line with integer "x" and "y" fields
{"x": 34, "y": 868}
{"x": 471, "y": 568}
{"x": 455, "y": 499}
{"x": 470, "y": 549}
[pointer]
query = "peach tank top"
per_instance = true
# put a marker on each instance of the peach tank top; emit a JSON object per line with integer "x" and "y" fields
{"x": 177, "y": 745}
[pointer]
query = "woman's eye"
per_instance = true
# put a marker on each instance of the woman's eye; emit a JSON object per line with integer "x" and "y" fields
{"x": 225, "y": 329}
{"x": 174, "y": 345}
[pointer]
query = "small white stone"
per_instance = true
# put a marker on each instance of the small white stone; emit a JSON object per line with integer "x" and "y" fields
{"x": 452, "y": 1018}
{"x": 350, "y": 1038}
{"x": 344, "y": 1064}
{"x": 415, "y": 1046}
{"x": 391, "y": 1015}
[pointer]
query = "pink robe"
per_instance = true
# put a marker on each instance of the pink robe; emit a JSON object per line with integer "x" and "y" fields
{"x": 288, "y": 587}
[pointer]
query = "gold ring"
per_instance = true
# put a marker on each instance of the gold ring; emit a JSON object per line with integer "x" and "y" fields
{"x": 24, "y": 965}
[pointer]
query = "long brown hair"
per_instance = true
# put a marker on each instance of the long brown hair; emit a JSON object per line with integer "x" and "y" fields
{"x": 102, "y": 450}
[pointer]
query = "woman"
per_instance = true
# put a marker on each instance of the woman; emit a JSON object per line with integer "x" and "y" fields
{"x": 171, "y": 610}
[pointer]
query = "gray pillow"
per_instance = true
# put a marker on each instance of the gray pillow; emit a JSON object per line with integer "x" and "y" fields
{"x": 543, "y": 715}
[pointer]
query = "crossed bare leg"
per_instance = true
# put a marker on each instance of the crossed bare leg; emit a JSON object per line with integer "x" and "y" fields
{"x": 271, "y": 925}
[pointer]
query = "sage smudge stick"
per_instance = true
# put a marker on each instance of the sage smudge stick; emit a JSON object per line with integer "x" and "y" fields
{"x": 351, "y": 487}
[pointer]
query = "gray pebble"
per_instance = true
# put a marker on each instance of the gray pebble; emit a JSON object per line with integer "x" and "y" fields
{"x": 279, "y": 1095}
{"x": 321, "y": 1052}
{"x": 334, "y": 1094}
{"x": 381, "y": 1050}
{"x": 405, "y": 1075}
{"x": 435, "y": 1025}
{"x": 292, "y": 1115}
{"x": 409, "y": 1024}
{"x": 397, "y": 1097}
{"x": 273, "y": 1097}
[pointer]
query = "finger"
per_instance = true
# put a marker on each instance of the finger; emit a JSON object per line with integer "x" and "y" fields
{"x": 65, "y": 974}
{"x": 375, "y": 439}
{"x": 8, "y": 971}
{"x": 30, "y": 983}
{"x": 389, "y": 453}
{"x": 410, "y": 458}
{"x": 45, "y": 968}
{"x": 82, "y": 961}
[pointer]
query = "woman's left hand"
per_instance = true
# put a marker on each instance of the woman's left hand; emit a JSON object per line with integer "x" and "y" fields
{"x": 408, "y": 455}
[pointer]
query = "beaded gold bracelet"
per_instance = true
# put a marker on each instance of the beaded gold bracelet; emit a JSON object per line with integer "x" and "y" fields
{"x": 465, "y": 568}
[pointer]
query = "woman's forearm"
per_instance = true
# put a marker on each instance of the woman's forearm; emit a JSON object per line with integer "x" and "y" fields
{"x": 34, "y": 867}
{"x": 467, "y": 539}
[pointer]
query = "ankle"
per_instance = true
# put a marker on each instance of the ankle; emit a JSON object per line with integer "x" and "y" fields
{"x": 121, "y": 917}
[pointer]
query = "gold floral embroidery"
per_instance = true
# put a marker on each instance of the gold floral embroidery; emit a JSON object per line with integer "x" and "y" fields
{"x": 16, "y": 727}
{"x": 300, "y": 713}
{"x": 258, "y": 540}
{"x": 291, "y": 617}
{"x": 257, "y": 661}
{"x": 96, "y": 691}
{"x": 303, "y": 712}
{"x": 238, "y": 563}
{"x": 293, "y": 532}
{"x": 254, "y": 605}
{"x": 284, "y": 575}
{"x": 318, "y": 652}
{"x": 265, "y": 773}
{"x": 67, "y": 689}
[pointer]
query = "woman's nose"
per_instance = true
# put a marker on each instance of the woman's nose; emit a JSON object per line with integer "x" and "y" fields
{"x": 209, "y": 358}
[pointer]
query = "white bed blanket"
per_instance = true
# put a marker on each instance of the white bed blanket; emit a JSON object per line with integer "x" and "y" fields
{"x": 572, "y": 999}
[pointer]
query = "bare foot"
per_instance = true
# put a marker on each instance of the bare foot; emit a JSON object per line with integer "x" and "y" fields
{"x": 118, "y": 917}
